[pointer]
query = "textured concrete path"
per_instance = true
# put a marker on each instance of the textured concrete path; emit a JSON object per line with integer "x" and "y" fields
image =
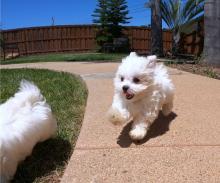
{"x": 183, "y": 147}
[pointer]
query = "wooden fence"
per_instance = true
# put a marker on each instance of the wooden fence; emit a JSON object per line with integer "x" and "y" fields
{"x": 52, "y": 39}
{"x": 140, "y": 39}
{"x": 78, "y": 38}
{"x": 193, "y": 43}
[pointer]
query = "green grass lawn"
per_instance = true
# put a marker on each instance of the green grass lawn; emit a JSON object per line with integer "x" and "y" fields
{"x": 64, "y": 57}
{"x": 67, "y": 96}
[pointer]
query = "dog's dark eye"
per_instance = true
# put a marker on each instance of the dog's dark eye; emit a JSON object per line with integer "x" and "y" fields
{"x": 122, "y": 78}
{"x": 136, "y": 80}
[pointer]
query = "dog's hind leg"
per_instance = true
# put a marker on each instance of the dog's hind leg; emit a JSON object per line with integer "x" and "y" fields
{"x": 167, "y": 108}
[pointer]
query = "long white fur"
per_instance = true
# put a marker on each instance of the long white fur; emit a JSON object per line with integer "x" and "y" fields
{"x": 25, "y": 120}
{"x": 154, "y": 92}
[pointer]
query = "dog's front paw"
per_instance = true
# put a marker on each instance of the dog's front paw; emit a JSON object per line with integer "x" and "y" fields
{"x": 138, "y": 133}
{"x": 116, "y": 117}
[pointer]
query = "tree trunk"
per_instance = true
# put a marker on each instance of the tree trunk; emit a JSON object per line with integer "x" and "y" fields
{"x": 156, "y": 28}
{"x": 175, "y": 42}
{"x": 212, "y": 33}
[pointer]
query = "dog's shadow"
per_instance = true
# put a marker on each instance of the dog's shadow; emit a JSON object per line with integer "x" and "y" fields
{"x": 46, "y": 157}
{"x": 159, "y": 127}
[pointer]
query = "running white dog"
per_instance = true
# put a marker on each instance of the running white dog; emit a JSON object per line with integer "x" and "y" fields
{"x": 142, "y": 89}
{"x": 25, "y": 120}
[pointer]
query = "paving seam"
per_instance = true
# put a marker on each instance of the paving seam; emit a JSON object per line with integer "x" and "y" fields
{"x": 150, "y": 146}
{"x": 113, "y": 73}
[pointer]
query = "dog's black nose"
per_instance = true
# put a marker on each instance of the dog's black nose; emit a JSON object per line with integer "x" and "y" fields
{"x": 125, "y": 88}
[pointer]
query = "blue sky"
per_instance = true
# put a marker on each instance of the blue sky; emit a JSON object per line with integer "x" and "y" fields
{"x": 29, "y": 13}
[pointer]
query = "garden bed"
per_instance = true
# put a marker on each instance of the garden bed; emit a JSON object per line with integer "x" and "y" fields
{"x": 201, "y": 69}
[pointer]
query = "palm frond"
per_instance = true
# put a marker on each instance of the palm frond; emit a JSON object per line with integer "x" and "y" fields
{"x": 189, "y": 6}
{"x": 189, "y": 27}
{"x": 165, "y": 13}
{"x": 195, "y": 13}
{"x": 175, "y": 13}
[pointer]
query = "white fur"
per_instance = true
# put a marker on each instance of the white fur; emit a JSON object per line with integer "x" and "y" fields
{"x": 25, "y": 120}
{"x": 152, "y": 93}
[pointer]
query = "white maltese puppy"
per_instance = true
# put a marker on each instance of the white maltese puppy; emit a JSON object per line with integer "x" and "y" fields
{"x": 25, "y": 120}
{"x": 142, "y": 89}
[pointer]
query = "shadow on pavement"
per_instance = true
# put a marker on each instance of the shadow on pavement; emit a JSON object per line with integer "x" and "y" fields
{"x": 159, "y": 127}
{"x": 46, "y": 157}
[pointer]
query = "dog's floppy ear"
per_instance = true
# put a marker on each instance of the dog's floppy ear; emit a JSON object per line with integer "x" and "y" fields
{"x": 152, "y": 61}
{"x": 133, "y": 54}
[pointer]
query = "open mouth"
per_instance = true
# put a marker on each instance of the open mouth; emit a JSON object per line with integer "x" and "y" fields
{"x": 129, "y": 95}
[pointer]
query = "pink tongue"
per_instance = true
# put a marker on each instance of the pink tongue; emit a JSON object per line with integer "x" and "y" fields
{"x": 127, "y": 94}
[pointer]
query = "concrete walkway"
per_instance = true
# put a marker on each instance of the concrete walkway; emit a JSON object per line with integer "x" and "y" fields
{"x": 183, "y": 147}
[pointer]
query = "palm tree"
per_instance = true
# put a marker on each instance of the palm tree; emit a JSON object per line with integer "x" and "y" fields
{"x": 212, "y": 32}
{"x": 156, "y": 27}
{"x": 179, "y": 16}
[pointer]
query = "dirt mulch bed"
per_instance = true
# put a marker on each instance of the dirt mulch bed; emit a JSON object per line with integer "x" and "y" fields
{"x": 200, "y": 69}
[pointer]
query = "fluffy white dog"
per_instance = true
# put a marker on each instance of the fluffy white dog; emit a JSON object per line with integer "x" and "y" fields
{"x": 142, "y": 89}
{"x": 25, "y": 120}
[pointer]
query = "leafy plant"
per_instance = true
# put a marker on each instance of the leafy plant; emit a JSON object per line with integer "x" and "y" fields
{"x": 110, "y": 15}
{"x": 210, "y": 73}
{"x": 118, "y": 15}
{"x": 181, "y": 16}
